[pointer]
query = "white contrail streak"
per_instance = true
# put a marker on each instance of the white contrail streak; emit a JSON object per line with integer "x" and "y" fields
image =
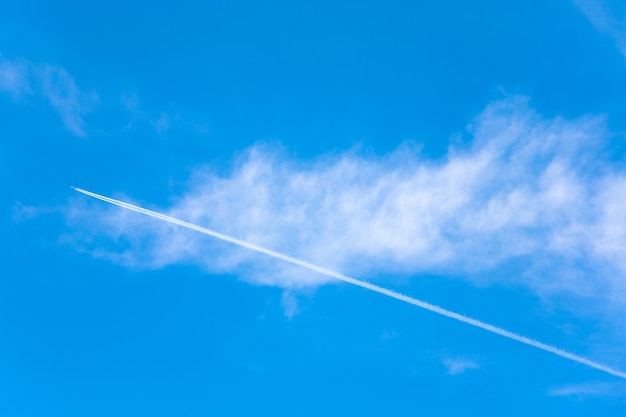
{"x": 366, "y": 285}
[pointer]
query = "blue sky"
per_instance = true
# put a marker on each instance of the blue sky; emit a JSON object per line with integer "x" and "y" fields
{"x": 468, "y": 155}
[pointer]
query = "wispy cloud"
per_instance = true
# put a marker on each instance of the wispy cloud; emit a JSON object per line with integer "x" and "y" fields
{"x": 289, "y": 302}
{"x": 526, "y": 199}
{"x": 355, "y": 281}
{"x": 20, "y": 78}
{"x": 525, "y": 188}
{"x": 608, "y": 17}
{"x": 456, "y": 366}
{"x": 159, "y": 121}
{"x": 587, "y": 390}
{"x": 14, "y": 77}
{"x": 65, "y": 97}
{"x": 22, "y": 212}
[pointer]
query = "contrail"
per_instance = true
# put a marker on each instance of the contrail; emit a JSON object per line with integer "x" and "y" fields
{"x": 366, "y": 285}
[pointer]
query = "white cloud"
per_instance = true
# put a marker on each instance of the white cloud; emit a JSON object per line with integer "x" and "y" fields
{"x": 160, "y": 122}
{"x": 65, "y": 97}
{"x": 19, "y": 78}
{"x": 289, "y": 302}
{"x": 456, "y": 366}
{"x": 22, "y": 212}
{"x": 586, "y": 390}
{"x": 525, "y": 190}
{"x": 14, "y": 77}
{"x": 608, "y": 17}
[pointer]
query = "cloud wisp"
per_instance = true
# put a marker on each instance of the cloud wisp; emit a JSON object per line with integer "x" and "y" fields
{"x": 589, "y": 390}
{"x": 61, "y": 91}
{"x": 456, "y": 366}
{"x": 366, "y": 285}
{"x": 608, "y": 17}
{"x": 14, "y": 77}
{"x": 21, "y": 78}
{"x": 524, "y": 191}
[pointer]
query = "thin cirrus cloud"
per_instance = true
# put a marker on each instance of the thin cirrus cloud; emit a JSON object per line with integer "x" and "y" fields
{"x": 21, "y": 78}
{"x": 608, "y": 17}
{"x": 589, "y": 389}
{"x": 524, "y": 188}
{"x": 14, "y": 77}
{"x": 456, "y": 366}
